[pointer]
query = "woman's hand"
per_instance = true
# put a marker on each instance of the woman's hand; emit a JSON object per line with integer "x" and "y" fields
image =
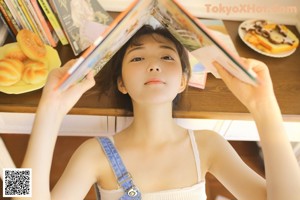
{"x": 63, "y": 101}
{"x": 251, "y": 96}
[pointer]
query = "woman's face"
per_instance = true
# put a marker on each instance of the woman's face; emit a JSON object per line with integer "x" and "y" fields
{"x": 151, "y": 71}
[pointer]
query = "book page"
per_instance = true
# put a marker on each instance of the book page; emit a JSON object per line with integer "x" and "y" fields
{"x": 113, "y": 41}
{"x": 199, "y": 41}
{"x": 198, "y": 70}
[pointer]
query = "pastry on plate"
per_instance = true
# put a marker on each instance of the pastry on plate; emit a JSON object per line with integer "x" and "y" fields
{"x": 31, "y": 45}
{"x": 34, "y": 72}
{"x": 11, "y": 71}
{"x": 270, "y": 37}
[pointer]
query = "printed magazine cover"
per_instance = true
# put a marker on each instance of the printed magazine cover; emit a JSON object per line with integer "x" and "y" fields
{"x": 83, "y": 21}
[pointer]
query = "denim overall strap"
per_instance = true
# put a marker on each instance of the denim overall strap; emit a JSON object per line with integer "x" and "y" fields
{"x": 120, "y": 171}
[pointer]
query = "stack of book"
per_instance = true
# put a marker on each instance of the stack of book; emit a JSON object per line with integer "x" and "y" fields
{"x": 69, "y": 22}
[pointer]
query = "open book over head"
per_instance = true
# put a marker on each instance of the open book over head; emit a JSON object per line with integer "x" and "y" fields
{"x": 194, "y": 36}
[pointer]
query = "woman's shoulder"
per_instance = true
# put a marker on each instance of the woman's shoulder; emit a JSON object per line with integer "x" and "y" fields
{"x": 91, "y": 152}
{"x": 209, "y": 143}
{"x": 91, "y": 148}
{"x": 207, "y": 136}
{"x": 210, "y": 140}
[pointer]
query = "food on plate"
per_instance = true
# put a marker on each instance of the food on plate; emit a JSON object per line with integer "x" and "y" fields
{"x": 15, "y": 52}
{"x": 25, "y": 60}
{"x": 31, "y": 45}
{"x": 36, "y": 58}
{"x": 270, "y": 37}
{"x": 11, "y": 71}
{"x": 34, "y": 72}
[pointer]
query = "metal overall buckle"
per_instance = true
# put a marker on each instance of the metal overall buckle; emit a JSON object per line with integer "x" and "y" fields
{"x": 133, "y": 192}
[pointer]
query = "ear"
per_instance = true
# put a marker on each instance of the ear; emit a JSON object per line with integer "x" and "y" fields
{"x": 183, "y": 83}
{"x": 121, "y": 86}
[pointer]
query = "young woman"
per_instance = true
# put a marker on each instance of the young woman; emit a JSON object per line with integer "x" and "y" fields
{"x": 165, "y": 161}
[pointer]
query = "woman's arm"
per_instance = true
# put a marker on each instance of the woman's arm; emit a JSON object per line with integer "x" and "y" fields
{"x": 281, "y": 167}
{"x": 53, "y": 106}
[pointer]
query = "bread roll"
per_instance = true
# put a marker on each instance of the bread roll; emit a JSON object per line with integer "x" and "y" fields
{"x": 34, "y": 72}
{"x": 14, "y": 52}
{"x": 32, "y": 46}
{"x": 11, "y": 71}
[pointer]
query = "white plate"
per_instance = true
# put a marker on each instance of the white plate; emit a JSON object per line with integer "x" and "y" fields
{"x": 242, "y": 33}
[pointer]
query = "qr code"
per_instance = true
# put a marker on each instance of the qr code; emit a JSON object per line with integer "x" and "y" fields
{"x": 17, "y": 182}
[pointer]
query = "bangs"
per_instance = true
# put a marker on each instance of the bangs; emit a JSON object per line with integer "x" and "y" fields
{"x": 136, "y": 41}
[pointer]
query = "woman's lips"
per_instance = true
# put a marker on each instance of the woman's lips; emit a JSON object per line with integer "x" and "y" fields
{"x": 154, "y": 81}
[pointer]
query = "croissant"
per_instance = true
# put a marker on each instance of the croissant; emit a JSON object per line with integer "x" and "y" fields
{"x": 34, "y": 72}
{"x": 11, "y": 71}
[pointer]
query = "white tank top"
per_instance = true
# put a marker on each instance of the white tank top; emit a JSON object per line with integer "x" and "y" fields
{"x": 195, "y": 192}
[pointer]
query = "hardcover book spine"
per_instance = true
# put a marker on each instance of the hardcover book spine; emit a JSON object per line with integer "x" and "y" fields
{"x": 8, "y": 17}
{"x": 14, "y": 13}
{"x": 21, "y": 14}
{"x": 50, "y": 33}
{"x": 3, "y": 30}
{"x": 54, "y": 22}
{"x": 28, "y": 18}
{"x": 32, "y": 14}
{"x": 6, "y": 25}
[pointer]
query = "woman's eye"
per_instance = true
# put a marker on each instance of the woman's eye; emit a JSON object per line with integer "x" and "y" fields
{"x": 136, "y": 59}
{"x": 167, "y": 58}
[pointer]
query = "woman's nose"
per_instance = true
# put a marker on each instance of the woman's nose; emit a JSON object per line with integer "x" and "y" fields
{"x": 154, "y": 67}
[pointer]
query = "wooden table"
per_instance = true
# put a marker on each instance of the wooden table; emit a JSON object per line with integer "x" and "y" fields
{"x": 215, "y": 101}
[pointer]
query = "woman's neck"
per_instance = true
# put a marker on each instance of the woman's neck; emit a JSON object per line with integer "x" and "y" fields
{"x": 153, "y": 122}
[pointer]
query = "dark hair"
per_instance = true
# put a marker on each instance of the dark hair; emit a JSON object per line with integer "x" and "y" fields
{"x": 108, "y": 76}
